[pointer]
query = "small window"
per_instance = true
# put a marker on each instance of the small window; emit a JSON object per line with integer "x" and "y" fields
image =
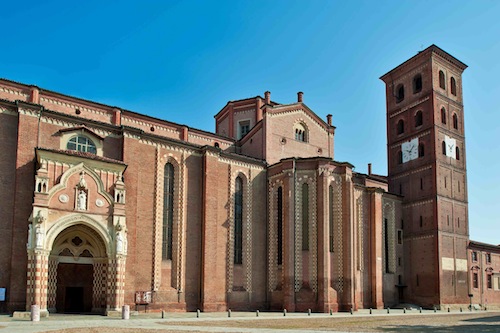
{"x": 400, "y": 126}
{"x": 441, "y": 80}
{"x": 488, "y": 258}
{"x": 300, "y": 133}
{"x": 457, "y": 153}
{"x": 421, "y": 151}
{"x": 419, "y": 119}
{"x": 400, "y": 93}
{"x": 244, "y": 128}
{"x": 400, "y": 237}
{"x": 453, "y": 85}
{"x": 443, "y": 147}
{"x": 489, "y": 281}
{"x": 474, "y": 256}
{"x": 475, "y": 280}
{"x": 400, "y": 157}
{"x": 443, "y": 115}
{"x": 81, "y": 143}
{"x": 417, "y": 83}
{"x": 421, "y": 221}
{"x": 455, "y": 121}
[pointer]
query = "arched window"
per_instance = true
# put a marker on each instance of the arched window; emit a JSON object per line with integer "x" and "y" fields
{"x": 400, "y": 157}
{"x": 330, "y": 209}
{"x": 81, "y": 143}
{"x": 280, "y": 225}
{"x": 421, "y": 151}
{"x": 417, "y": 83}
{"x": 300, "y": 132}
{"x": 168, "y": 211}
{"x": 238, "y": 221}
{"x": 443, "y": 115}
{"x": 457, "y": 153}
{"x": 305, "y": 217}
{"x": 443, "y": 147}
{"x": 400, "y": 93}
{"x": 441, "y": 80}
{"x": 455, "y": 121}
{"x": 419, "y": 119}
{"x": 453, "y": 84}
{"x": 400, "y": 126}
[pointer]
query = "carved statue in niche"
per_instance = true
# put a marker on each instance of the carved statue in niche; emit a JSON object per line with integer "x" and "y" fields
{"x": 81, "y": 201}
{"x": 121, "y": 239}
{"x": 39, "y": 236}
{"x": 81, "y": 193}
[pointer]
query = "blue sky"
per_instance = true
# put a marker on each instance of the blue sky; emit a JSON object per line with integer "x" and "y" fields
{"x": 183, "y": 60}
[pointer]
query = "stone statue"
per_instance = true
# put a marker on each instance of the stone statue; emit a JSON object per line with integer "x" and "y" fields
{"x": 82, "y": 183}
{"x": 119, "y": 242}
{"x": 30, "y": 233}
{"x": 81, "y": 203}
{"x": 39, "y": 236}
{"x": 39, "y": 217}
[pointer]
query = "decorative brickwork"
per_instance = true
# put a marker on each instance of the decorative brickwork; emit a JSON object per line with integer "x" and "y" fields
{"x": 52, "y": 283}
{"x": 99, "y": 285}
{"x": 178, "y": 225}
{"x": 247, "y": 228}
{"x": 338, "y": 280}
{"x": 390, "y": 215}
{"x": 230, "y": 233}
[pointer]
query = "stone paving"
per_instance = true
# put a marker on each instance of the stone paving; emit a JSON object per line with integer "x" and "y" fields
{"x": 153, "y": 321}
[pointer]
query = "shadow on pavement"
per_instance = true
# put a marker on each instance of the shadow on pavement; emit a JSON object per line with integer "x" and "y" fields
{"x": 447, "y": 329}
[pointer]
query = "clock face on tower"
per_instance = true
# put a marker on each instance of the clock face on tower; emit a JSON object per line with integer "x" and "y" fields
{"x": 410, "y": 150}
{"x": 451, "y": 145}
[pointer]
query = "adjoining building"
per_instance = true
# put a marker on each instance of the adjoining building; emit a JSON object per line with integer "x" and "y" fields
{"x": 103, "y": 207}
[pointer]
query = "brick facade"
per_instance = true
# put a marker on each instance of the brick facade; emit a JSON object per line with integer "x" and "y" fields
{"x": 258, "y": 215}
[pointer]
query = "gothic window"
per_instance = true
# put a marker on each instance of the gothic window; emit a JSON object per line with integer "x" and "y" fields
{"x": 305, "y": 217}
{"x": 443, "y": 115}
{"x": 441, "y": 80}
{"x": 443, "y": 147}
{"x": 238, "y": 222}
{"x": 400, "y": 93}
{"x": 168, "y": 211}
{"x": 455, "y": 121}
{"x": 457, "y": 153}
{"x": 81, "y": 143}
{"x": 421, "y": 151}
{"x": 417, "y": 83}
{"x": 400, "y": 126}
{"x": 300, "y": 133}
{"x": 453, "y": 85}
{"x": 419, "y": 119}
{"x": 280, "y": 225}
{"x": 330, "y": 209}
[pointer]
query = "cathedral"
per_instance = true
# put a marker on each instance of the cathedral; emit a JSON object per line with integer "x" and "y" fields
{"x": 103, "y": 207}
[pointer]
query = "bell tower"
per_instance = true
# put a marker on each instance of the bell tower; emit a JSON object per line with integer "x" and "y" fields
{"x": 426, "y": 165}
